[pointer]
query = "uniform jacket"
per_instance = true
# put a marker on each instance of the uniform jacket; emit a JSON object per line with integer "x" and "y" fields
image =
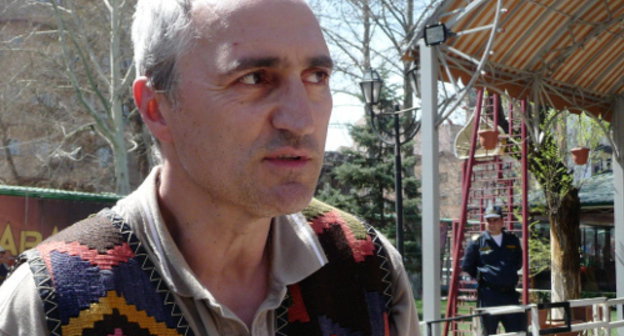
{"x": 494, "y": 265}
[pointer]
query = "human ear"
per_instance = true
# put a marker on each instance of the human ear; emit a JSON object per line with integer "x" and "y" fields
{"x": 145, "y": 98}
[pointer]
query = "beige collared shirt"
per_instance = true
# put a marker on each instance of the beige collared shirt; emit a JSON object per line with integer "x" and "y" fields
{"x": 296, "y": 254}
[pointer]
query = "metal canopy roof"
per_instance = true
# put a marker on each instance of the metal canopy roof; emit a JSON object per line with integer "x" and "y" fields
{"x": 568, "y": 54}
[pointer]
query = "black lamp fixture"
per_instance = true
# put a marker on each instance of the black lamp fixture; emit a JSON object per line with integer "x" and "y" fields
{"x": 436, "y": 34}
{"x": 371, "y": 87}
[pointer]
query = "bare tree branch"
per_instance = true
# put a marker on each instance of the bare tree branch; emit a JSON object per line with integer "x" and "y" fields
{"x": 108, "y": 5}
{"x": 83, "y": 60}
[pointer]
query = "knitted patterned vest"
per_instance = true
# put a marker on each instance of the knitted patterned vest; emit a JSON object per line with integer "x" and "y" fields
{"x": 95, "y": 278}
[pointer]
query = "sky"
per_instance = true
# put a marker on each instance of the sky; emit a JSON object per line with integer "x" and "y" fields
{"x": 347, "y": 110}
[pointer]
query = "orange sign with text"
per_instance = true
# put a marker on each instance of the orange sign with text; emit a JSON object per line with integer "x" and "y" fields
{"x": 26, "y": 221}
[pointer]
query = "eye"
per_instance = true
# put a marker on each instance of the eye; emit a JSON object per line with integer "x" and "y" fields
{"x": 251, "y": 79}
{"x": 255, "y": 78}
{"x": 317, "y": 77}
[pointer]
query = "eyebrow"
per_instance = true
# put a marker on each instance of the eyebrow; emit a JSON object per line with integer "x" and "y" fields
{"x": 323, "y": 61}
{"x": 252, "y": 62}
{"x": 246, "y": 63}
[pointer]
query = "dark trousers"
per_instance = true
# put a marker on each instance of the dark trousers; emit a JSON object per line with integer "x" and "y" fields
{"x": 489, "y": 297}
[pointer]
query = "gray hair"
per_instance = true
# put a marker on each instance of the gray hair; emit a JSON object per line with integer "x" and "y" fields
{"x": 161, "y": 32}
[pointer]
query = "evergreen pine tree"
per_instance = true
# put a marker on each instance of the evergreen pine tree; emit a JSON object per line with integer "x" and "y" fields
{"x": 360, "y": 180}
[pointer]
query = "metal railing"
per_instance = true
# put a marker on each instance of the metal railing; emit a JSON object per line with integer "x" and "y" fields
{"x": 599, "y": 321}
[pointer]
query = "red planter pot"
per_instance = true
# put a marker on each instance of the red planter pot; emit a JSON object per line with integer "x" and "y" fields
{"x": 580, "y": 155}
{"x": 488, "y": 139}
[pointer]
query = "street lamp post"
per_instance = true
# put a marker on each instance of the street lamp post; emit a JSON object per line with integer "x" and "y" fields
{"x": 371, "y": 86}
{"x": 398, "y": 182}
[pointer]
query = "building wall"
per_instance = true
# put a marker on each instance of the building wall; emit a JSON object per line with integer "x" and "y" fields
{"x": 450, "y": 170}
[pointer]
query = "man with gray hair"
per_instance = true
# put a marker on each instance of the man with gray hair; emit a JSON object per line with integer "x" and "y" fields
{"x": 223, "y": 237}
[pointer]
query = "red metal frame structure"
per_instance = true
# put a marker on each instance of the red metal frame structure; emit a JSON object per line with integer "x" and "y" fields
{"x": 495, "y": 179}
{"x": 451, "y": 306}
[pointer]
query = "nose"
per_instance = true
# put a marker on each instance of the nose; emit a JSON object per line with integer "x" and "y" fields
{"x": 294, "y": 112}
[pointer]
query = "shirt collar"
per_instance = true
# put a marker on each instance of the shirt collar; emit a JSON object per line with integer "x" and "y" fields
{"x": 296, "y": 250}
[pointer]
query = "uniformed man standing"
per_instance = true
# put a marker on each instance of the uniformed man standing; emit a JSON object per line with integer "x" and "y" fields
{"x": 493, "y": 259}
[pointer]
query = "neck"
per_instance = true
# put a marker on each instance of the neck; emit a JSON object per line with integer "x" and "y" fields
{"x": 190, "y": 212}
{"x": 226, "y": 248}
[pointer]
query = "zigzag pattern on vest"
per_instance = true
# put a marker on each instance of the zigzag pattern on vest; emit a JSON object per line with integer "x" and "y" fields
{"x": 351, "y": 294}
{"x": 96, "y": 279}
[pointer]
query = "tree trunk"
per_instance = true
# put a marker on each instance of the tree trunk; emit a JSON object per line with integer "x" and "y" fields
{"x": 408, "y": 96}
{"x": 563, "y": 208}
{"x": 120, "y": 152}
{"x": 6, "y": 144}
{"x": 565, "y": 240}
{"x": 366, "y": 39}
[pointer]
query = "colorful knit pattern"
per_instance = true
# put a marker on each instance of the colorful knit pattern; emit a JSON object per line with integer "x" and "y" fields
{"x": 96, "y": 279}
{"x": 351, "y": 294}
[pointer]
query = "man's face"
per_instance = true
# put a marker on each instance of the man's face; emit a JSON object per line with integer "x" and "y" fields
{"x": 254, "y": 103}
{"x": 494, "y": 225}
